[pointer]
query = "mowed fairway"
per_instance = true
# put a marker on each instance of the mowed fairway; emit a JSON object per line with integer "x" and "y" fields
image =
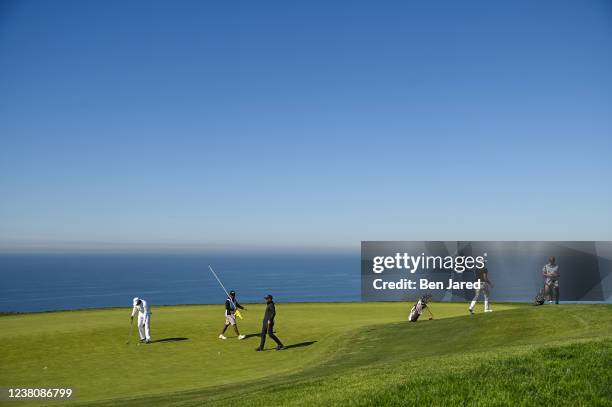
{"x": 353, "y": 353}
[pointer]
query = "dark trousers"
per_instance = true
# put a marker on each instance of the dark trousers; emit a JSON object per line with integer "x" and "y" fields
{"x": 268, "y": 329}
{"x": 551, "y": 291}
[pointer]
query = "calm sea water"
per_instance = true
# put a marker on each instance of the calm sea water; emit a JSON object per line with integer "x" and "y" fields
{"x": 45, "y": 282}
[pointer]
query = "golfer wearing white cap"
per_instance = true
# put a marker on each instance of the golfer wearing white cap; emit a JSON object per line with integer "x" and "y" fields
{"x": 144, "y": 319}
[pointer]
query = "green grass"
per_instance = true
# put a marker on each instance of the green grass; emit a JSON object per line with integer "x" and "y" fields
{"x": 360, "y": 355}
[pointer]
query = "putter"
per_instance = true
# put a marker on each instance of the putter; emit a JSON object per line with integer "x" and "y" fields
{"x": 130, "y": 332}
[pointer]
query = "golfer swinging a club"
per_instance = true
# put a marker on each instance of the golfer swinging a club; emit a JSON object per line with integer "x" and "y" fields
{"x": 268, "y": 325}
{"x": 144, "y": 319}
{"x": 230, "y": 315}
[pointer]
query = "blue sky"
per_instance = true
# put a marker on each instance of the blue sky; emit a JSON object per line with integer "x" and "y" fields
{"x": 269, "y": 124}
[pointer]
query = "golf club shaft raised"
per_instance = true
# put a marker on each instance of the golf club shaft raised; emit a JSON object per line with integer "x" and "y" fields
{"x": 220, "y": 283}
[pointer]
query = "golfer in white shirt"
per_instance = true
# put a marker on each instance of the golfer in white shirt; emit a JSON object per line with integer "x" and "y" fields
{"x": 144, "y": 319}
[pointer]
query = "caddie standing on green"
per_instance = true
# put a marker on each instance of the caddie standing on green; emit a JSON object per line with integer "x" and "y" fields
{"x": 551, "y": 274}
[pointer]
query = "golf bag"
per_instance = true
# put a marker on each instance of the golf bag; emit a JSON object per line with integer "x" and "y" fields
{"x": 539, "y": 298}
{"x": 417, "y": 309}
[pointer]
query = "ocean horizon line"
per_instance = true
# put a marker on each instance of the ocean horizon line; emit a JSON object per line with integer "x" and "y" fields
{"x": 27, "y": 247}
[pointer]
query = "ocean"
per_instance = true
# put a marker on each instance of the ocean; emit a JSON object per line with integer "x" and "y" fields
{"x": 48, "y": 282}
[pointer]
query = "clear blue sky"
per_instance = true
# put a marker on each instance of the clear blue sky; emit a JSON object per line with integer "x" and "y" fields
{"x": 305, "y": 124}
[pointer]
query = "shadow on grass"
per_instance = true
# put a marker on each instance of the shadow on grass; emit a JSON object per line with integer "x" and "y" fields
{"x": 293, "y": 346}
{"x": 300, "y": 345}
{"x": 258, "y": 335}
{"x": 169, "y": 340}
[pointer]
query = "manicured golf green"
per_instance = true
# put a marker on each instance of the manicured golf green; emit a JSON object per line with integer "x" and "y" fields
{"x": 339, "y": 354}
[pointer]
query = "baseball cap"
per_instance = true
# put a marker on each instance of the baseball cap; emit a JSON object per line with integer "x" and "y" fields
{"x": 232, "y": 292}
{"x": 269, "y": 296}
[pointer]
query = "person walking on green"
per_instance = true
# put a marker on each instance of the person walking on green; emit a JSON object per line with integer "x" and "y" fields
{"x": 484, "y": 287}
{"x": 268, "y": 325}
{"x": 231, "y": 307}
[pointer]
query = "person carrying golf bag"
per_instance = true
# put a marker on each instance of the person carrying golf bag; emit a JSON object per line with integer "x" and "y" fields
{"x": 268, "y": 325}
{"x": 417, "y": 309}
{"x": 231, "y": 305}
{"x": 144, "y": 319}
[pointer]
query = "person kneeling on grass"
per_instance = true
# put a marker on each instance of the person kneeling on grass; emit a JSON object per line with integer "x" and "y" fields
{"x": 230, "y": 315}
{"x": 268, "y": 325}
{"x": 144, "y": 319}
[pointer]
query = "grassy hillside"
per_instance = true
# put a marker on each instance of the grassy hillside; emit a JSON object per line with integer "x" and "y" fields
{"x": 342, "y": 353}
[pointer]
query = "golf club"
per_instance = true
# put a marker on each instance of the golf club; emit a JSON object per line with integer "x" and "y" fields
{"x": 130, "y": 332}
{"x": 217, "y": 278}
{"x": 223, "y": 287}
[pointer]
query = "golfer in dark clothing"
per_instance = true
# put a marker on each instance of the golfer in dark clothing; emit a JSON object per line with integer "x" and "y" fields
{"x": 268, "y": 325}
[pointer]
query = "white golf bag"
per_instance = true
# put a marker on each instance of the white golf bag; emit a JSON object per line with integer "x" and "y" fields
{"x": 418, "y": 308}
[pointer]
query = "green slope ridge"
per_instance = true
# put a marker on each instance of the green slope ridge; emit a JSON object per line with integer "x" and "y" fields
{"x": 570, "y": 374}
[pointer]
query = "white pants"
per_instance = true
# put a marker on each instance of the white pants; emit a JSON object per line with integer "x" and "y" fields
{"x": 144, "y": 326}
{"x": 484, "y": 289}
